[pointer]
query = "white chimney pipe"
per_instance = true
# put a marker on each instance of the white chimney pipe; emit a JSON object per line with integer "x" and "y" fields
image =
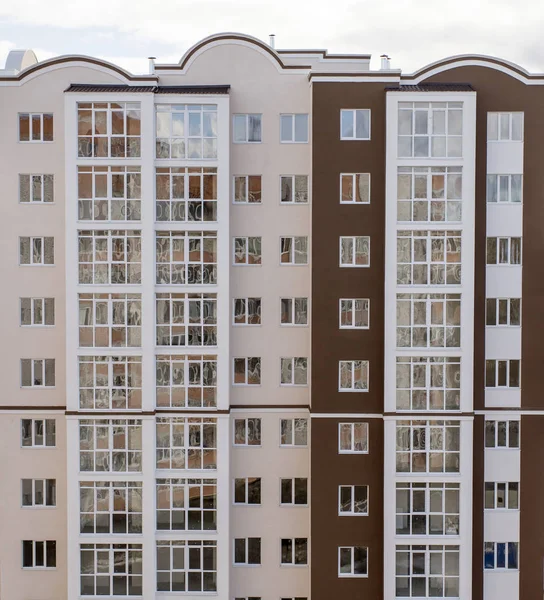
{"x": 151, "y": 64}
{"x": 386, "y": 64}
{"x": 272, "y": 41}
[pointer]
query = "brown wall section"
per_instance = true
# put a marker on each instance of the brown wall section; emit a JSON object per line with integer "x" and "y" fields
{"x": 330, "y": 220}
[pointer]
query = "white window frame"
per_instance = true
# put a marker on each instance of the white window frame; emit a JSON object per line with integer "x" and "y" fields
{"x": 43, "y": 180}
{"x": 46, "y": 496}
{"x": 353, "y": 239}
{"x": 246, "y": 179}
{"x": 132, "y": 554}
{"x": 186, "y": 443}
{"x": 494, "y": 133}
{"x": 293, "y": 481}
{"x": 291, "y": 431}
{"x": 246, "y": 241}
{"x": 345, "y": 308}
{"x": 425, "y": 574}
{"x": 352, "y": 366}
{"x": 351, "y": 573}
{"x": 168, "y": 493}
{"x": 351, "y": 512}
{"x": 46, "y": 424}
{"x": 257, "y": 425}
{"x": 258, "y": 369}
{"x": 46, "y": 545}
{"x": 356, "y": 114}
{"x": 506, "y": 568}
{"x": 494, "y": 364}
{"x": 293, "y": 562}
{"x": 495, "y": 491}
{"x": 246, "y": 491}
{"x": 354, "y": 188}
{"x": 293, "y": 195}
{"x": 499, "y": 186}
{"x": 188, "y": 568}
{"x": 244, "y": 302}
{"x": 507, "y": 242}
{"x": 292, "y": 306}
{"x": 294, "y": 362}
{"x": 31, "y": 241}
{"x": 293, "y": 118}
{"x": 34, "y": 364}
{"x": 246, "y": 552}
{"x": 498, "y": 302}
{"x": 364, "y": 442}
{"x": 246, "y": 127}
{"x": 37, "y": 305}
{"x": 292, "y": 252}
{"x": 508, "y": 425}
{"x": 30, "y": 116}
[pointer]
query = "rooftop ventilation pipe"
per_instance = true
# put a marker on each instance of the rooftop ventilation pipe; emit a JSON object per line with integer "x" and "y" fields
{"x": 272, "y": 42}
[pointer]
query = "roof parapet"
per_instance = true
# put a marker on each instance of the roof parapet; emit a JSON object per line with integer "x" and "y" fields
{"x": 18, "y": 60}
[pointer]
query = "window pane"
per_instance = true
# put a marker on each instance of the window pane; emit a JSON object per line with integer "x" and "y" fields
{"x": 286, "y": 125}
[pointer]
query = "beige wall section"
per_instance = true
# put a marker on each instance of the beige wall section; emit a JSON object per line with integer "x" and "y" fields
{"x": 269, "y": 521}
{"x": 17, "y": 523}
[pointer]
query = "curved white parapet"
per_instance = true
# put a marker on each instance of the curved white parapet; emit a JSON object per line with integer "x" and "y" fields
{"x": 18, "y": 60}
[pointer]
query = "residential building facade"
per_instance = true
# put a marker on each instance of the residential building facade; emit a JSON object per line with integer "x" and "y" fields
{"x": 263, "y": 327}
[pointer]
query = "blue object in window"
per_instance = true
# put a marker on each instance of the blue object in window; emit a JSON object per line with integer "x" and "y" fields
{"x": 501, "y": 555}
{"x": 489, "y": 560}
{"x": 512, "y": 555}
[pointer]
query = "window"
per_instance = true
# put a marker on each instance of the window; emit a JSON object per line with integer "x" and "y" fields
{"x": 108, "y": 569}
{"x": 428, "y": 383}
{"x": 294, "y": 370}
{"x": 294, "y": 189}
{"x": 247, "y": 490}
{"x": 352, "y": 500}
{"x": 354, "y": 313}
{"x": 186, "y": 319}
{"x": 428, "y": 320}
{"x": 110, "y": 320}
{"x": 38, "y": 492}
{"x": 428, "y": 446}
{"x": 293, "y": 432}
{"x": 294, "y": 551}
{"x": 354, "y": 251}
{"x": 39, "y": 555}
{"x": 430, "y": 129}
{"x": 355, "y": 188}
{"x": 502, "y": 495}
{"x": 37, "y": 372}
{"x": 186, "y": 257}
{"x": 352, "y": 438}
{"x": 502, "y": 434}
{"x": 36, "y": 189}
{"x": 247, "y": 189}
{"x": 504, "y": 251}
{"x": 427, "y": 508}
{"x": 505, "y": 127}
{"x": 294, "y": 311}
{"x": 110, "y": 382}
{"x": 36, "y": 251}
{"x": 187, "y": 566}
{"x": 108, "y": 129}
{"x": 429, "y": 194}
{"x": 247, "y": 311}
{"x": 186, "y": 131}
{"x": 38, "y": 433}
{"x": 186, "y": 381}
{"x": 502, "y": 373}
{"x": 110, "y": 257}
{"x": 353, "y": 376}
{"x": 501, "y": 555}
{"x": 247, "y": 551}
{"x": 247, "y": 251}
{"x": 294, "y": 492}
{"x": 247, "y": 371}
{"x": 504, "y": 189}
{"x": 353, "y": 561}
{"x": 247, "y": 432}
{"x": 186, "y": 194}
{"x": 186, "y": 443}
{"x": 294, "y": 128}
{"x": 109, "y": 193}
{"x": 355, "y": 124}
{"x": 110, "y": 445}
{"x": 110, "y": 507}
{"x": 247, "y": 129}
{"x": 427, "y": 571}
{"x": 282, "y": 598}
{"x": 503, "y": 311}
{"x": 36, "y": 312}
{"x": 294, "y": 250}
{"x": 35, "y": 127}
{"x": 428, "y": 258}
{"x": 186, "y": 505}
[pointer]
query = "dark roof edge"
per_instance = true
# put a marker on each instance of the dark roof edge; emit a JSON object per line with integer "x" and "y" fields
{"x": 431, "y": 87}
{"x": 151, "y": 89}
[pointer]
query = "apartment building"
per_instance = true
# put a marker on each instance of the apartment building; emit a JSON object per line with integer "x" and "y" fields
{"x": 262, "y": 327}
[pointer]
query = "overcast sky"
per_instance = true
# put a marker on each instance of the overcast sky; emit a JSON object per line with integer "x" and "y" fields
{"x": 412, "y": 32}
